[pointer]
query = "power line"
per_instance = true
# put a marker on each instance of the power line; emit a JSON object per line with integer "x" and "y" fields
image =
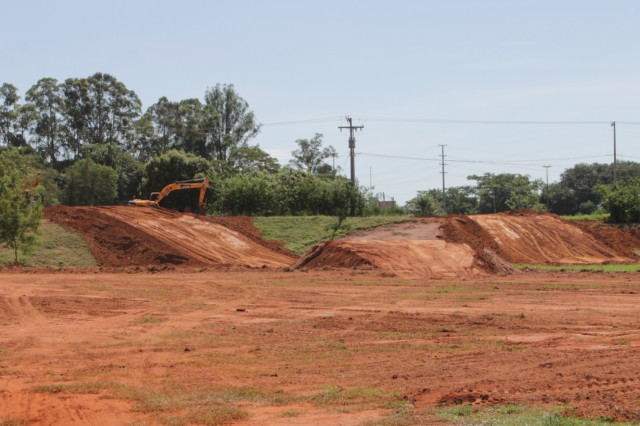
{"x": 451, "y": 121}
{"x": 522, "y": 162}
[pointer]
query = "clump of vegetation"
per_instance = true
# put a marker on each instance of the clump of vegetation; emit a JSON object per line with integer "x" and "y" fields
{"x": 299, "y": 233}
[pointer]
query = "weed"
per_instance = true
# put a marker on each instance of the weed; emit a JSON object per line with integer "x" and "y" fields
{"x": 292, "y": 413}
{"x": 355, "y": 399}
{"x": 148, "y": 319}
{"x": 623, "y": 342}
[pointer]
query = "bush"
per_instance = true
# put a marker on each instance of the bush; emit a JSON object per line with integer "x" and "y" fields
{"x": 622, "y": 201}
{"x": 90, "y": 184}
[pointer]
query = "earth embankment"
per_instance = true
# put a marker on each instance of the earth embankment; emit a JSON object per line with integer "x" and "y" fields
{"x": 137, "y": 236}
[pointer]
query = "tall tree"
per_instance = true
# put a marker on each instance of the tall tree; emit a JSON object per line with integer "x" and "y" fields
{"x": 8, "y": 112}
{"x": 47, "y": 101}
{"x": 227, "y": 121}
{"x": 77, "y": 113}
{"x": 310, "y": 154}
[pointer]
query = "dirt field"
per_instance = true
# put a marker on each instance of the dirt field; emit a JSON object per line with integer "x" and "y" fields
{"x": 322, "y": 347}
{"x": 217, "y": 326}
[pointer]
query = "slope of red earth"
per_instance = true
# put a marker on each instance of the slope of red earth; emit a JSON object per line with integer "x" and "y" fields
{"x": 138, "y": 236}
{"x": 535, "y": 238}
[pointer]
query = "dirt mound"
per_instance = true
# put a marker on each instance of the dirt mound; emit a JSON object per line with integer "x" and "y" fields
{"x": 624, "y": 239}
{"x": 527, "y": 237}
{"x": 405, "y": 258}
{"x": 128, "y": 236}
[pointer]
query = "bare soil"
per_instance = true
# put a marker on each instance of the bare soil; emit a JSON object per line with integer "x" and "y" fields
{"x": 140, "y": 236}
{"x": 544, "y": 340}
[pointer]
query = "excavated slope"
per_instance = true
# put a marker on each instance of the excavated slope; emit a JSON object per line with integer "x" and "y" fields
{"x": 127, "y": 236}
{"x": 405, "y": 258}
{"x": 526, "y": 237}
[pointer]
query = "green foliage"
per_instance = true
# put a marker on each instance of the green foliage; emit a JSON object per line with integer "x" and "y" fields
{"x": 310, "y": 154}
{"x": 227, "y": 121}
{"x": 622, "y": 201}
{"x": 246, "y": 195}
{"x": 424, "y": 204}
{"x": 515, "y": 415}
{"x": 506, "y": 191}
{"x": 170, "y": 167}
{"x": 127, "y": 168}
{"x": 20, "y": 211}
{"x": 90, "y": 184}
{"x": 459, "y": 200}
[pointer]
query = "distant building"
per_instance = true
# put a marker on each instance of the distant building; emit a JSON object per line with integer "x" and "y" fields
{"x": 383, "y": 204}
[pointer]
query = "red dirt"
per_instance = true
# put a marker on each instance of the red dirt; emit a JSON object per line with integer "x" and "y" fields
{"x": 404, "y": 258}
{"x": 544, "y": 340}
{"x": 137, "y": 236}
{"x": 527, "y": 237}
{"x": 624, "y": 239}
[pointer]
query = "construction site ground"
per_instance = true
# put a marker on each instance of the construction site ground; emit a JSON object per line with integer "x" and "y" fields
{"x": 203, "y": 334}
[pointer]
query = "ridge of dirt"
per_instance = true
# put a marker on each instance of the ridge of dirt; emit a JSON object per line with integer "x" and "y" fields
{"x": 404, "y": 258}
{"x": 624, "y": 239}
{"x": 124, "y": 236}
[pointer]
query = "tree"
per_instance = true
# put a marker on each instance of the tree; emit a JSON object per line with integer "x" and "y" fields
{"x": 310, "y": 155}
{"x": 424, "y": 204}
{"x": 251, "y": 158}
{"x": 506, "y": 191}
{"x": 47, "y": 101}
{"x": 128, "y": 169}
{"x": 89, "y": 184}
{"x": 8, "y": 103}
{"x": 20, "y": 213}
{"x": 622, "y": 201}
{"x": 227, "y": 121}
{"x": 170, "y": 167}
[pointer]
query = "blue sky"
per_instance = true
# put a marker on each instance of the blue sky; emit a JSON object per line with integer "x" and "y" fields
{"x": 380, "y": 62}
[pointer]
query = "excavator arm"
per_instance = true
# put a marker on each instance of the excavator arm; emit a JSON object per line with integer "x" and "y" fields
{"x": 157, "y": 197}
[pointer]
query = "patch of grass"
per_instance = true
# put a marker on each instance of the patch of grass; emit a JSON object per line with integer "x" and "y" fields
{"x": 299, "y": 233}
{"x": 148, "y": 319}
{"x": 593, "y": 216}
{"x": 582, "y": 268}
{"x": 292, "y": 413}
{"x": 180, "y": 406}
{"x": 515, "y": 415}
{"x": 58, "y": 247}
{"x": 623, "y": 342}
{"x": 363, "y": 398}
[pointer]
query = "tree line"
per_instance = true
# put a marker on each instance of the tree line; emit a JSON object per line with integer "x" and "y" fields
{"x": 582, "y": 189}
{"x": 95, "y": 145}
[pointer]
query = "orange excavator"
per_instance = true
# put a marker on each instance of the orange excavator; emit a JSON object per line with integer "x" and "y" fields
{"x": 156, "y": 197}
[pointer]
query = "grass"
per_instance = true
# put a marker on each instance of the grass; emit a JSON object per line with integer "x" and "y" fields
{"x": 583, "y": 268}
{"x": 180, "y": 405}
{"x": 58, "y": 247}
{"x": 593, "y": 216}
{"x": 516, "y": 415}
{"x": 299, "y": 233}
{"x": 358, "y": 399}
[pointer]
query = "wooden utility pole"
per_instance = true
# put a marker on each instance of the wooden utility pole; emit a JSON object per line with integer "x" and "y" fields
{"x": 615, "y": 161}
{"x": 444, "y": 197}
{"x": 352, "y": 146}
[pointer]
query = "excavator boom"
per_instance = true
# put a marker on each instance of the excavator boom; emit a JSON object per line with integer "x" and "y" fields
{"x": 156, "y": 197}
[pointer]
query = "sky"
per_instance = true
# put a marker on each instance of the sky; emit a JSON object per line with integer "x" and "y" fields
{"x": 507, "y": 86}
